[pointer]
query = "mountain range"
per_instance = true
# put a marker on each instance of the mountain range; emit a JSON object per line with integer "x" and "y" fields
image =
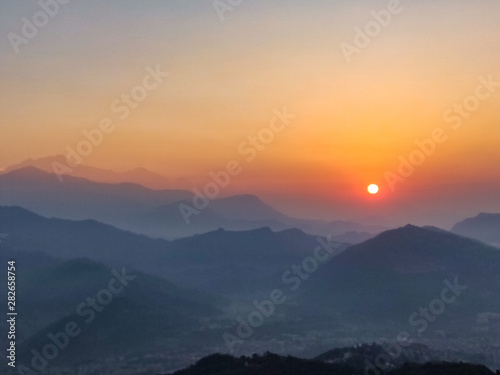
{"x": 155, "y": 213}
{"x": 220, "y": 261}
{"x": 381, "y": 282}
{"x": 440, "y": 287}
{"x": 140, "y": 176}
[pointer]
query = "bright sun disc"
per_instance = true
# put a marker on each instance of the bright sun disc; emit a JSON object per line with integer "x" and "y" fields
{"x": 373, "y": 189}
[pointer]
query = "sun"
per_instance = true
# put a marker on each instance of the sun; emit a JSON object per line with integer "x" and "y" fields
{"x": 373, "y": 189}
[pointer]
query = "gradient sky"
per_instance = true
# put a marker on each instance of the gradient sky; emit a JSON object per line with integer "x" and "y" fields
{"x": 226, "y": 78}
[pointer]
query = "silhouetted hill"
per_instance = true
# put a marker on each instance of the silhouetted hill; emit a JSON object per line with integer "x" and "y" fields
{"x": 365, "y": 356}
{"x": 360, "y": 356}
{"x": 392, "y": 275}
{"x": 272, "y": 364}
{"x": 484, "y": 227}
{"x": 134, "y": 312}
{"x": 238, "y": 263}
{"x": 416, "y": 250}
{"x": 443, "y": 369}
{"x": 220, "y": 261}
{"x": 68, "y": 239}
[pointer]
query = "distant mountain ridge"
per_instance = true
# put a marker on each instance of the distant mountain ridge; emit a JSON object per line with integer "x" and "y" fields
{"x": 152, "y": 212}
{"x": 222, "y": 261}
{"x": 140, "y": 175}
{"x": 484, "y": 227}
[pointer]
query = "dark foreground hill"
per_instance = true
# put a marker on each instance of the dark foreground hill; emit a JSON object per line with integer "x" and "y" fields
{"x": 272, "y": 364}
{"x": 393, "y": 355}
{"x": 267, "y": 364}
{"x": 443, "y": 369}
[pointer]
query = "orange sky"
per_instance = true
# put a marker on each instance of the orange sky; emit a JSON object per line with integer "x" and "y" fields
{"x": 227, "y": 77}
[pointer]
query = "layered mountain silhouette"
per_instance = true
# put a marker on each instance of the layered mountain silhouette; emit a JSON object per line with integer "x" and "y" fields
{"x": 484, "y": 227}
{"x": 140, "y": 176}
{"x": 152, "y": 212}
{"x": 136, "y": 310}
{"x": 391, "y": 276}
{"x": 410, "y": 261}
{"x": 378, "y": 283}
{"x": 78, "y": 198}
{"x": 220, "y": 261}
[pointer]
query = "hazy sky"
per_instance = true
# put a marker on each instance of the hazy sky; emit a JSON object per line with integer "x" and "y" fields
{"x": 226, "y": 77}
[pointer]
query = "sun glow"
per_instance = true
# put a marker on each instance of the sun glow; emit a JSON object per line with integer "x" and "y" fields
{"x": 373, "y": 189}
